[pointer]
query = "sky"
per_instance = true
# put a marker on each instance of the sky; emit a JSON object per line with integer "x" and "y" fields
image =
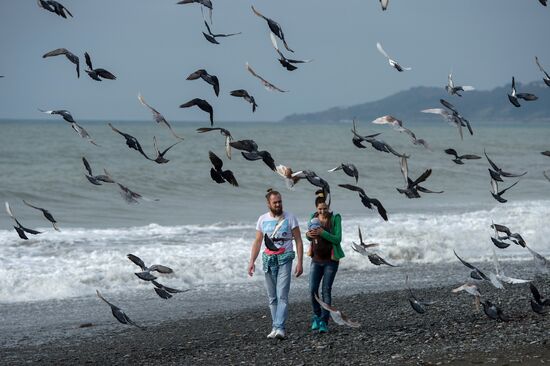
{"x": 152, "y": 46}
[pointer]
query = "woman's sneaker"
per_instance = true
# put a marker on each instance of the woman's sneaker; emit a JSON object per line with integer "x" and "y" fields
{"x": 315, "y": 322}
{"x": 323, "y": 327}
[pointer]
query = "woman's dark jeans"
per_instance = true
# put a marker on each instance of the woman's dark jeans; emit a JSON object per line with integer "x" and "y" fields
{"x": 324, "y": 272}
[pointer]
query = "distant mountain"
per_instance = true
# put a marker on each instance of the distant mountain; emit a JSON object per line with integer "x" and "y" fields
{"x": 474, "y": 105}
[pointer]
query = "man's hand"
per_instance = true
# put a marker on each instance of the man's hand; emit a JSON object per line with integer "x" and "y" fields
{"x": 251, "y": 269}
{"x": 298, "y": 270}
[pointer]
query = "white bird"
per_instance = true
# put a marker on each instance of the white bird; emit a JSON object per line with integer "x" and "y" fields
{"x": 392, "y": 62}
{"x": 541, "y": 264}
{"x": 384, "y": 4}
{"x": 452, "y": 89}
{"x": 501, "y": 276}
{"x": 398, "y": 126}
{"x": 338, "y": 316}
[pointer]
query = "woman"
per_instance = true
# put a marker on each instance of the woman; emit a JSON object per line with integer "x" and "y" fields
{"x": 325, "y": 234}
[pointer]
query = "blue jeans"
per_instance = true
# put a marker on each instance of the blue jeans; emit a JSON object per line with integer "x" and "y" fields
{"x": 277, "y": 283}
{"x": 322, "y": 272}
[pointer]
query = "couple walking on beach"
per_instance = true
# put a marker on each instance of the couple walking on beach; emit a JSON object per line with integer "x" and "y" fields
{"x": 324, "y": 233}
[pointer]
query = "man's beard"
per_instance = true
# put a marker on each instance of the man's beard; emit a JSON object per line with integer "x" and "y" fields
{"x": 276, "y": 211}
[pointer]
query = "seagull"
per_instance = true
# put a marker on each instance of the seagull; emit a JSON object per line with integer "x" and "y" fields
{"x": 131, "y": 141}
{"x": 496, "y": 172}
{"x": 398, "y": 126}
{"x": 202, "y": 104}
{"x": 367, "y": 201}
{"x": 478, "y": 275}
{"x": 118, "y": 313}
{"x": 130, "y": 196}
{"x": 349, "y": 169}
{"x": 62, "y": 112}
{"x": 274, "y": 27}
{"x": 224, "y": 132}
{"x": 493, "y": 311}
{"x": 501, "y": 276}
{"x": 364, "y": 249}
{"x": 498, "y": 194}
{"x": 472, "y": 290}
{"x": 160, "y": 159}
{"x": 250, "y": 152}
{"x": 165, "y": 291}
{"x": 384, "y": 4}
{"x": 266, "y": 83}
{"x": 96, "y": 179}
{"x": 546, "y": 77}
{"x": 241, "y": 93}
{"x": 46, "y": 214}
{"x": 98, "y": 73}
{"x": 513, "y": 98}
{"x": 539, "y": 304}
{"x": 210, "y": 79}
{"x": 392, "y": 63}
{"x": 338, "y": 316}
{"x": 219, "y": 175}
{"x": 452, "y": 89}
{"x": 418, "y": 305}
{"x": 159, "y": 118}
{"x": 146, "y": 271}
{"x": 54, "y": 7}
{"x": 287, "y": 63}
{"x": 211, "y": 37}
{"x": 413, "y": 187}
{"x": 83, "y": 133}
{"x": 21, "y": 230}
{"x": 70, "y": 56}
{"x": 458, "y": 158}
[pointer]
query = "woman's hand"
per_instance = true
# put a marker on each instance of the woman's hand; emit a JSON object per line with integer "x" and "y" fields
{"x": 315, "y": 233}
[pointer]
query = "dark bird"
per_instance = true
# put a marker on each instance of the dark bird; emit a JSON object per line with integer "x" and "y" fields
{"x": 274, "y": 27}
{"x": 269, "y": 244}
{"x": 202, "y": 104}
{"x": 145, "y": 273}
{"x": 546, "y": 77}
{"x": 376, "y": 144}
{"x": 493, "y": 311}
{"x": 61, "y": 112}
{"x": 241, "y": 93}
{"x": 418, "y": 305}
{"x": 496, "y": 172}
{"x": 131, "y": 141}
{"x": 287, "y": 63}
{"x": 543, "y": 2}
{"x": 83, "y": 133}
{"x": 70, "y": 56}
{"x": 46, "y": 214}
{"x": 165, "y": 292}
{"x": 364, "y": 249}
{"x": 211, "y": 37}
{"x": 392, "y": 62}
{"x": 98, "y": 73}
{"x": 477, "y": 274}
{"x": 160, "y": 159}
{"x": 357, "y": 139}
{"x": 539, "y": 304}
{"x": 159, "y": 118}
{"x": 252, "y": 153}
{"x": 398, "y": 126}
{"x": 96, "y": 179}
{"x": 219, "y": 175}
{"x": 413, "y": 187}
{"x": 366, "y": 200}
{"x": 315, "y": 180}
{"x": 21, "y": 230}
{"x": 224, "y": 132}
{"x": 118, "y": 313}
{"x": 349, "y": 169}
{"x": 265, "y": 83}
{"x": 130, "y": 196}
{"x": 516, "y": 238}
{"x": 546, "y": 153}
{"x": 210, "y": 79}
{"x": 498, "y": 194}
{"x": 54, "y": 7}
{"x": 458, "y": 158}
{"x": 452, "y": 89}
{"x": 205, "y": 3}
{"x": 513, "y": 98}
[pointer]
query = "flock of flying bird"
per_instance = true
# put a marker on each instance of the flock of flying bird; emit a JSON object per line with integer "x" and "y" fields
{"x": 250, "y": 151}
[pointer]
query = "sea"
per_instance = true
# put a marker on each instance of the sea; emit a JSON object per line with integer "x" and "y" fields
{"x": 204, "y": 230}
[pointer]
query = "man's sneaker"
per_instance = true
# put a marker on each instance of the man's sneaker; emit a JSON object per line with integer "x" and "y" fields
{"x": 280, "y": 334}
{"x": 323, "y": 327}
{"x": 272, "y": 334}
{"x": 315, "y": 322}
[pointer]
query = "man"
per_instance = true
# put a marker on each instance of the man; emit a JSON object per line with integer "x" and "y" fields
{"x": 282, "y": 227}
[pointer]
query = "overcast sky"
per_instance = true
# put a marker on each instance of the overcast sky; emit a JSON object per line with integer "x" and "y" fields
{"x": 152, "y": 45}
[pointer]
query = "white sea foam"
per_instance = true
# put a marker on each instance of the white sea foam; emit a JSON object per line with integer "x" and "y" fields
{"x": 75, "y": 262}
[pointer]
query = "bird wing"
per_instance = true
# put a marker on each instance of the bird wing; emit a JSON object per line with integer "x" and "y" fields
{"x": 258, "y": 13}
{"x": 381, "y": 50}
{"x": 190, "y": 103}
{"x": 266, "y": 83}
{"x": 470, "y": 157}
{"x": 351, "y": 187}
{"x": 493, "y": 165}
{"x": 215, "y": 160}
{"x": 540, "y": 67}
{"x": 88, "y": 60}
{"x": 546, "y": 174}
{"x": 87, "y": 165}
{"x": 56, "y": 52}
{"x": 160, "y": 268}
{"x": 405, "y": 170}
{"x": 505, "y": 189}
{"x": 138, "y": 261}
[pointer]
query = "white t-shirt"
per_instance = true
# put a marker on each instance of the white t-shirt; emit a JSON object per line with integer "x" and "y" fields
{"x": 266, "y": 224}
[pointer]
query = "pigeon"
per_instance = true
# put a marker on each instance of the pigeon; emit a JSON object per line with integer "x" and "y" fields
{"x": 224, "y": 132}
{"x": 159, "y": 118}
{"x": 496, "y": 172}
{"x": 205, "y": 3}
{"x": 160, "y": 159}
{"x": 349, "y": 169}
{"x": 384, "y": 4}
{"x": 145, "y": 273}
{"x": 211, "y": 37}
{"x": 20, "y": 229}
{"x": 203, "y": 105}
{"x": 454, "y": 90}
{"x": 516, "y": 238}
{"x": 478, "y": 275}
{"x": 497, "y": 195}
{"x": 70, "y": 56}
{"x": 413, "y": 187}
{"x": 471, "y": 290}
{"x": 61, "y": 112}
{"x": 96, "y": 179}
{"x": 241, "y": 93}
{"x": 392, "y": 62}
{"x": 453, "y": 117}
{"x": 165, "y": 292}
{"x": 546, "y": 77}
{"x": 210, "y": 79}
{"x": 287, "y": 63}
{"x": 98, "y": 73}
{"x": 266, "y": 83}
{"x": 338, "y": 316}
{"x": 418, "y": 305}
{"x": 539, "y": 304}
{"x": 315, "y": 180}
{"x": 287, "y": 174}
{"x": 358, "y": 139}
{"x": 46, "y": 214}
{"x": 458, "y": 158}
{"x": 274, "y": 27}
{"x": 219, "y": 175}
{"x": 83, "y": 133}
{"x": 130, "y": 196}
{"x": 251, "y": 152}
{"x": 543, "y": 2}
{"x": 398, "y": 126}
{"x": 546, "y": 153}
{"x": 493, "y": 311}
{"x": 54, "y": 7}
{"x": 118, "y": 313}
{"x": 364, "y": 249}
{"x": 367, "y": 201}
{"x": 131, "y": 141}
{"x": 513, "y": 98}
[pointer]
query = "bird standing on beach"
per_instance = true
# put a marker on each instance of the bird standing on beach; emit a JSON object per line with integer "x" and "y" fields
{"x": 493, "y": 311}
{"x": 539, "y": 304}
{"x": 70, "y": 56}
